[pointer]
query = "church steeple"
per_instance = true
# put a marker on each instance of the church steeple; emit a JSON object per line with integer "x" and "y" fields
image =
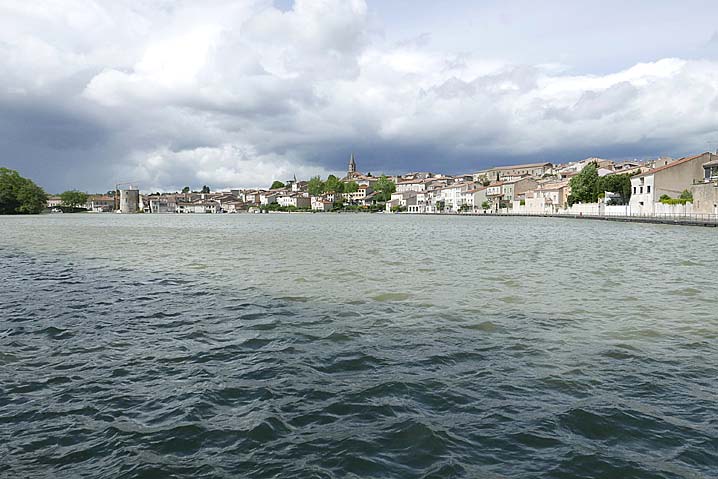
{"x": 352, "y": 165}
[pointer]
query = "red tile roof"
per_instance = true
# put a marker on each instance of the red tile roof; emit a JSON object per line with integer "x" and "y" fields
{"x": 670, "y": 165}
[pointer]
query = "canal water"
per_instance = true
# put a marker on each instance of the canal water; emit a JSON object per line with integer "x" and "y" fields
{"x": 353, "y": 345}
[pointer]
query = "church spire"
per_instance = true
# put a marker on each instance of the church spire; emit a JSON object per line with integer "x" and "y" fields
{"x": 352, "y": 165}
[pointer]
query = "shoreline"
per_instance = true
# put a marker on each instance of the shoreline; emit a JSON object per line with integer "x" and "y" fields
{"x": 694, "y": 220}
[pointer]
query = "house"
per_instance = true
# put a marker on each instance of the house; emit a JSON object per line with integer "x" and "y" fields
{"x": 199, "y": 206}
{"x": 452, "y": 196}
{"x": 233, "y": 206}
{"x": 705, "y": 191}
{"x": 495, "y": 194}
{"x": 499, "y": 173}
{"x": 161, "y": 204}
{"x": 425, "y": 203}
{"x": 670, "y": 178}
{"x": 268, "y": 197}
{"x": 296, "y": 200}
{"x": 358, "y": 196}
{"x": 412, "y": 185}
{"x": 251, "y": 197}
{"x": 319, "y": 203}
{"x": 53, "y": 201}
{"x": 516, "y": 189}
{"x": 402, "y": 200}
{"x": 100, "y": 203}
{"x": 547, "y": 198}
{"x": 475, "y": 198}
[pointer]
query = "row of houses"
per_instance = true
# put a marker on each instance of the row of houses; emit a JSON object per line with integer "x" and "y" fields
{"x": 542, "y": 188}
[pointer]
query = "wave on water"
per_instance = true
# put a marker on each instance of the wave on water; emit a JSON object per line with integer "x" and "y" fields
{"x": 176, "y": 376}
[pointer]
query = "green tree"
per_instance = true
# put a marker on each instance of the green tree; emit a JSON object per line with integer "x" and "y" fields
{"x": 485, "y": 205}
{"x": 205, "y": 189}
{"x": 185, "y": 190}
{"x": 384, "y": 187}
{"x": 276, "y": 185}
{"x": 73, "y": 198}
{"x": 315, "y": 186}
{"x": 20, "y": 195}
{"x": 686, "y": 196}
{"x": 333, "y": 185}
{"x": 351, "y": 187}
{"x": 619, "y": 184}
{"x": 584, "y": 186}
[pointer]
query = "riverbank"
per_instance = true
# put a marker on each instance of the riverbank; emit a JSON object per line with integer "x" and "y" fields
{"x": 685, "y": 220}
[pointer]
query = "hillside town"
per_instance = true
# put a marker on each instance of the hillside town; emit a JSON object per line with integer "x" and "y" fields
{"x": 660, "y": 186}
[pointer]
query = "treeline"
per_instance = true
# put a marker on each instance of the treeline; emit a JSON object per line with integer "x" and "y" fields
{"x": 588, "y": 187}
{"x": 20, "y": 196}
{"x": 316, "y": 187}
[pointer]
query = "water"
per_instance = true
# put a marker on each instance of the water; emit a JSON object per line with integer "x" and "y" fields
{"x": 338, "y": 346}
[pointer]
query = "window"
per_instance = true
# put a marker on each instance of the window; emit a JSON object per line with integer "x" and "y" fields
{"x": 648, "y": 189}
{"x": 634, "y": 189}
{"x": 641, "y": 190}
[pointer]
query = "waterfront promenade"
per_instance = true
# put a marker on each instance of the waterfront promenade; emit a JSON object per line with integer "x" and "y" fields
{"x": 683, "y": 220}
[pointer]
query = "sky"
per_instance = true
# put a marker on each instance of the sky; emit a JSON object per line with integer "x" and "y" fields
{"x": 166, "y": 94}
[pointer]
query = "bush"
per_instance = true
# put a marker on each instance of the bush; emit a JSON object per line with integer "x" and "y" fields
{"x": 686, "y": 197}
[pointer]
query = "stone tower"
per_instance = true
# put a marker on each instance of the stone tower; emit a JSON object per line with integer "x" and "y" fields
{"x": 352, "y": 166}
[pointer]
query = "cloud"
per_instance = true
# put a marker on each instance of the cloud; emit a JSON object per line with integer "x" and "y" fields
{"x": 240, "y": 93}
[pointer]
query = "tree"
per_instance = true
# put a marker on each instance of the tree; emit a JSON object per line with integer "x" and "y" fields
{"x": 185, "y": 190}
{"x": 584, "y": 186}
{"x": 20, "y": 195}
{"x": 485, "y": 205}
{"x": 205, "y": 189}
{"x": 384, "y": 187}
{"x": 315, "y": 186}
{"x": 333, "y": 185}
{"x": 351, "y": 187}
{"x": 73, "y": 198}
{"x": 619, "y": 184}
{"x": 276, "y": 185}
{"x": 686, "y": 196}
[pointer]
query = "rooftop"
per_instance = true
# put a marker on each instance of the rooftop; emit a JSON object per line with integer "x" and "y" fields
{"x": 671, "y": 165}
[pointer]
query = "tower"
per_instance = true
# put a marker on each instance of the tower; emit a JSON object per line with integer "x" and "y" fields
{"x": 352, "y": 166}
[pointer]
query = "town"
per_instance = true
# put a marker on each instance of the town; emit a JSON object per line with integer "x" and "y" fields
{"x": 593, "y": 186}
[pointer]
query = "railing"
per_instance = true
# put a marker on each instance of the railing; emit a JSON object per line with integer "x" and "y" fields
{"x": 687, "y": 217}
{"x": 692, "y": 218}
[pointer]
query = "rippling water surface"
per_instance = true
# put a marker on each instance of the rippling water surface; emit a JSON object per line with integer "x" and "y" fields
{"x": 338, "y": 346}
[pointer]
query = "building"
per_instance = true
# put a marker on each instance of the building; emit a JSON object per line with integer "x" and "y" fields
{"x": 161, "y": 204}
{"x": 268, "y": 197}
{"x": 198, "y": 207}
{"x": 129, "y": 200}
{"x": 671, "y": 178}
{"x": 412, "y": 185}
{"x": 296, "y": 200}
{"x": 319, "y": 203}
{"x": 475, "y": 198}
{"x": 705, "y": 191}
{"x": 358, "y": 196}
{"x": 401, "y": 200}
{"x": 547, "y": 198}
{"x": 495, "y": 194}
{"x": 500, "y": 173}
{"x": 452, "y": 196}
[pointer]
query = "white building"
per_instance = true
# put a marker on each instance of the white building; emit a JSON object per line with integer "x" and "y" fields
{"x": 297, "y": 200}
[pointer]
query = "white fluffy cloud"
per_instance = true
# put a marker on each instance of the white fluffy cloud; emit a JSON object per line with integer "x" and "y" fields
{"x": 238, "y": 93}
